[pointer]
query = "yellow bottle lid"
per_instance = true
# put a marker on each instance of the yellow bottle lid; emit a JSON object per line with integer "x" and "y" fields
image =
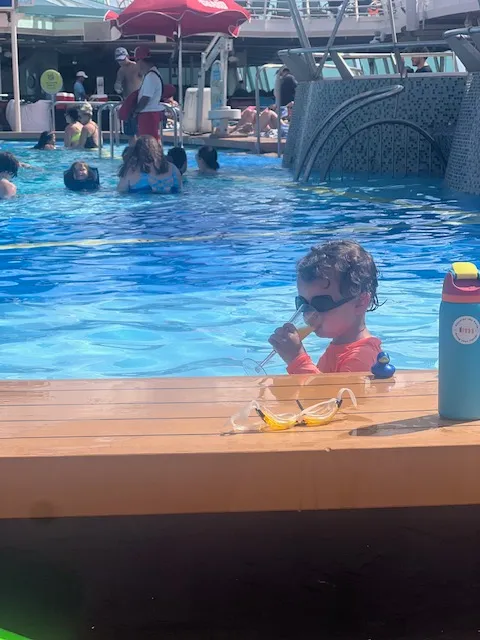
{"x": 465, "y": 271}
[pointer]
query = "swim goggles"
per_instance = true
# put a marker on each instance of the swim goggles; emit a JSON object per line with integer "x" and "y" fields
{"x": 314, "y": 416}
{"x": 322, "y": 304}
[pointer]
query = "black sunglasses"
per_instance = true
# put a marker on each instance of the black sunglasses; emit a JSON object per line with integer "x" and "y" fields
{"x": 322, "y": 304}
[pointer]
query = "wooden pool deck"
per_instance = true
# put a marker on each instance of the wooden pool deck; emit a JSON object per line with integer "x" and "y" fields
{"x": 156, "y": 446}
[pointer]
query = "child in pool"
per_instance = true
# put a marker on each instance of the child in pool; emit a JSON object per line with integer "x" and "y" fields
{"x": 81, "y": 177}
{"x": 207, "y": 161}
{"x": 46, "y": 141}
{"x": 338, "y": 282}
{"x": 8, "y": 170}
{"x": 178, "y": 157}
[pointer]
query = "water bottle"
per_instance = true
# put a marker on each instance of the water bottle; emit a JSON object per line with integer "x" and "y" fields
{"x": 459, "y": 344}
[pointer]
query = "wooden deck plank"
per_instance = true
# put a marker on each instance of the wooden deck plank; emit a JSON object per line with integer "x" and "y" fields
{"x": 114, "y": 427}
{"x": 152, "y": 410}
{"x": 313, "y": 393}
{"x": 352, "y": 432}
{"x": 107, "y": 447}
{"x": 334, "y": 379}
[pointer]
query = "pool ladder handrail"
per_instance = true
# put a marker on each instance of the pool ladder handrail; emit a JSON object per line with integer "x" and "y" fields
{"x": 465, "y": 43}
{"x": 113, "y": 126}
{"x": 337, "y": 117}
{"x": 176, "y": 113}
{"x": 408, "y": 124}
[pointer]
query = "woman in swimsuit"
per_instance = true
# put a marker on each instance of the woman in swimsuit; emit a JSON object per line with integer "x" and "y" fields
{"x": 146, "y": 169}
{"x": 89, "y": 135}
{"x": 73, "y": 130}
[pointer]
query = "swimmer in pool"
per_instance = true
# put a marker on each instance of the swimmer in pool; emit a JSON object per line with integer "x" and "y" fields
{"x": 178, "y": 157}
{"x": 145, "y": 169}
{"x": 207, "y": 160}
{"x": 81, "y": 177}
{"x": 8, "y": 170}
{"x": 337, "y": 285}
{"x": 47, "y": 141}
{"x": 73, "y": 130}
{"x": 89, "y": 137}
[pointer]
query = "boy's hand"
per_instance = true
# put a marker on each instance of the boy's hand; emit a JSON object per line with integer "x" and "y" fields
{"x": 286, "y": 342}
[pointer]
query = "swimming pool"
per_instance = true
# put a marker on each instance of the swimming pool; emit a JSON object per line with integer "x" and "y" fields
{"x": 190, "y": 285}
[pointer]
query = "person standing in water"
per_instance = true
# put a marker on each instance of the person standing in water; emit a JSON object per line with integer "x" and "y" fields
{"x": 73, "y": 130}
{"x": 207, "y": 161}
{"x": 145, "y": 169}
{"x": 46, "y": 141}
{"x": 129, "y": 79}
{"x": 90, "y": 135}
{"x": 8, "y": 170}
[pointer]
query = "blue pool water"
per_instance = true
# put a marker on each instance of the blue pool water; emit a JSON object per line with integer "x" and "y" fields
{"x": 191, "y": 285}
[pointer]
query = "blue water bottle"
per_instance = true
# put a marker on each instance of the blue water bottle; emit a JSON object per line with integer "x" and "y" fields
{"x": 459, "y": 344}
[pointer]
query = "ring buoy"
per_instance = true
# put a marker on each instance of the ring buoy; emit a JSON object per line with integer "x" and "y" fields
{"x": 128, "y": 106}
{"x": 92, "y": 184}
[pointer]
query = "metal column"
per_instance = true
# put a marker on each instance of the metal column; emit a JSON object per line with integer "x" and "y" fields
{"x": 331, "y": 39}
{"x": 302, "y": 36}
{"x": 15, "y": 72}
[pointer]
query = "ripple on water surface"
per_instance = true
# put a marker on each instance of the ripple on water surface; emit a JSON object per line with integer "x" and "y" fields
{"x": 192, "y": 284}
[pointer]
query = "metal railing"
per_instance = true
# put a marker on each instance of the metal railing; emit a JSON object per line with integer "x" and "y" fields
{"x": 392, "y": 122}
{"x": 466, "y": 44}
{"x": 385, "y": 59}
{"x": 389, "y": 53}
{"x": 176, "y": 114}
{"x": 113, "y": 125}
{"x": 274, "y": 9}
{"x": 321, "y": 9}
{"x": 337, "y": 117}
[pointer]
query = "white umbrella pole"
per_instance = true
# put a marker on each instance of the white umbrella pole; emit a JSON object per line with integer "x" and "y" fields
{"x": 15, "y": 72}
{"x": 180, "y": 67}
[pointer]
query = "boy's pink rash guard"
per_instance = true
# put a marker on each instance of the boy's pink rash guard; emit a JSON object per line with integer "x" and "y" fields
{"x": 357, "y": 356}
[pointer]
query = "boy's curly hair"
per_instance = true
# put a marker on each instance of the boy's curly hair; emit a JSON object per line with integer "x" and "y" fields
{"x": 355, "y": 267}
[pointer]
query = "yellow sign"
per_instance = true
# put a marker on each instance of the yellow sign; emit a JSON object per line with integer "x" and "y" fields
{"x": 51, "y": 81}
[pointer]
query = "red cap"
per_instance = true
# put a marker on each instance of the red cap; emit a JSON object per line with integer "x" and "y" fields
{"x": 462, "y": 284}
{"x": 169, "y": 91}
{"x": 141, "y": 52}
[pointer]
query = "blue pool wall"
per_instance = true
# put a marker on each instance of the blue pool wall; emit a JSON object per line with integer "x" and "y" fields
{"x": 463, "y": 171}
{"x": 432, "y": 101}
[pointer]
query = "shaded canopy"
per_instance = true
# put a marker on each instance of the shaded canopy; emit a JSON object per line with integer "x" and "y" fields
{"x": 194, "y": 17}
{"x": 64, "y": 8}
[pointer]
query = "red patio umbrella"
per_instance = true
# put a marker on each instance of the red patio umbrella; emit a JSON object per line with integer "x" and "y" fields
{"x": 183, "y": 18}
